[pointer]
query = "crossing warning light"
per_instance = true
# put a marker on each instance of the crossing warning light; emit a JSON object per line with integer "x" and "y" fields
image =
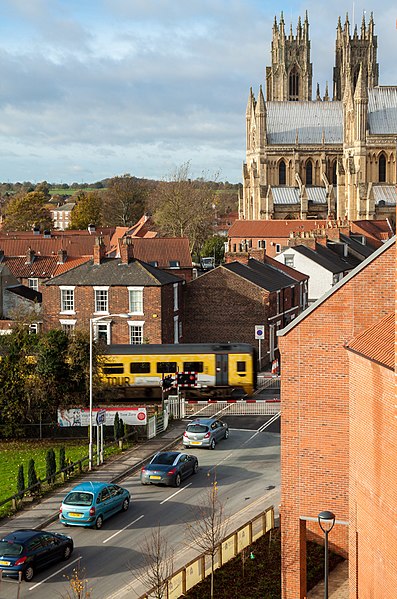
{"x": 186, "y": 379}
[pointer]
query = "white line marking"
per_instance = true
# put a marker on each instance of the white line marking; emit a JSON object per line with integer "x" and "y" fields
{"x": 176, "y": 493}
{"x": 121, "y": 529}
{"x": 55, "y": 573}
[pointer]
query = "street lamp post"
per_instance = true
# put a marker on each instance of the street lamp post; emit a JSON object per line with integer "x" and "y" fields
{"x": 92, "y": 322}
{"x": 326, "y": 522}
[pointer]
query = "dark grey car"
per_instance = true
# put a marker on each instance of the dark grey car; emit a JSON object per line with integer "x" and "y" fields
{"x": 205, "y": 432}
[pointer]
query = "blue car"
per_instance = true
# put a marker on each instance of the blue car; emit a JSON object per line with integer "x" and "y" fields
{"x": 24, "y": 551}
{"x": 90, "y": 503}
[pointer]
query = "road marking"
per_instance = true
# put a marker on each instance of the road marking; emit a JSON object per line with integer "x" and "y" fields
{"x": 176, "y": 493}
{"x": 262, "y": 428}
{"x": 55, "y": 574}
{"x": 122, "y": 529}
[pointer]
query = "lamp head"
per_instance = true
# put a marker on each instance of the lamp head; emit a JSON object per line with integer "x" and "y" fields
{"x": 326, "y": 521}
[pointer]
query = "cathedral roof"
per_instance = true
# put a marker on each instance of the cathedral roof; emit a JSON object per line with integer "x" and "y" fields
{"x": 304, "y": 123}
{"x": 382, "y": 110}
{"x": 285, "y": 195}
{"x": 384, "y": 193}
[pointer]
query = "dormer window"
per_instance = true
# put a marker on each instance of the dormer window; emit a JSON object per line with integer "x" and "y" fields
{"x": 154, "y": 263}
{"x": 174, "y": 264}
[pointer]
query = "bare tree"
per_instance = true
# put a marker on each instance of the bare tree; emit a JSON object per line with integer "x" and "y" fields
{"x": 209, "y": 526}
{"x": 78, "y": 585}
{"x": 158, "y": 563}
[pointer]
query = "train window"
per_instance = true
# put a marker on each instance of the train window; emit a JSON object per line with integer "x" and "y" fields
{"x": 241, "y": 366}
{"x": 139, "y": 367}
{"x": 193, "y": 367}
{"x": 169, "y": 367}
{"x": 115, "y": 368}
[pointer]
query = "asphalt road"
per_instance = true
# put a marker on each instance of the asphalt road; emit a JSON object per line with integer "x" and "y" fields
{"x": 247, "y": 470}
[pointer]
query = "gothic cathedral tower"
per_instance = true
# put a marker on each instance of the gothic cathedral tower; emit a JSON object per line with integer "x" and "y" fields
{"x": 352, "y": 52}
{"x": 290, "y": 76}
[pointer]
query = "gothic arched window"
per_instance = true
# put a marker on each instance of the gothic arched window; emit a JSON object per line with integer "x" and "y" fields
{"x": 294, "y": 84}
{"x": 282, "y": 175}
{"x": 382, "y": 168}
{"x": 309, "y": 172}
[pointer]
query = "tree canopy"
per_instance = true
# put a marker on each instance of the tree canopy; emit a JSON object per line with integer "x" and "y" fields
{"x": 25, "y": 211}
{"x": 124, "y": 201}
{"x": 87, "y": 211}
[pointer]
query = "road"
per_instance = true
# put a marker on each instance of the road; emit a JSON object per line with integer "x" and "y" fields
{"x": 247, "y": 470}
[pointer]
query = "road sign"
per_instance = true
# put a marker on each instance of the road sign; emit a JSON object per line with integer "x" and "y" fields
{"x": 101, "y": 417}
{"x": 259, "y": 331}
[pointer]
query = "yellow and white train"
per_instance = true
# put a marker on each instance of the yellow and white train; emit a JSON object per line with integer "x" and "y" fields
{"x": 220, "y": 367}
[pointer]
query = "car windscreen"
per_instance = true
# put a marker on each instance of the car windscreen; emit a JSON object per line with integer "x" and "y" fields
{"x": 164, "y": 458}
{"x": 197, "y": 428}
{"x": 10, "y": 549}
{"x": 79, "y": 498}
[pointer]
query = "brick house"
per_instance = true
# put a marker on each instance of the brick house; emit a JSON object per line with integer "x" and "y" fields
{"x": 318, "y": 380}
{"x": 105, "y": 286}
{"x": 17, "y": 300}
{"x": 225, "y": 304}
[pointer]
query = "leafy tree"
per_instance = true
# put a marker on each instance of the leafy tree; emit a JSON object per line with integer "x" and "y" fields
{"x": 32, "y": 476}
{"x": 214, "y": 246}
{"x": 182, "y": 207}
{"x": 23, "y": 212}
{"x": 121, "y": 429}
{"x": 88, "y": 210}
{"x": 124, "y": 201}
{"x": 44, "y": 189}
{"x": 20, "y": 481}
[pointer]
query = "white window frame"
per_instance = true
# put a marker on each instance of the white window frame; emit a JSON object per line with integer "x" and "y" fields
{"x": 34, "y": 328}
{"x": 135, "y": 323}
{"x": 71, "y": 322}
{"x": 176, "y": 329}
{"x": 139, "y": 305}
{"x": 97, "y": 305}
{"x": 289, "y": 258}
{"x": 176, "y": 307}
{"x": 65, "y": 288}
{"x": 33, "y": 283}
{"x": 105, "y": 324}
{"x": 278, "y": 248}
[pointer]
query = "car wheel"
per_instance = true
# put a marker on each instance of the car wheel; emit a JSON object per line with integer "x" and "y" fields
{"x": 28, "y": 573}
{"x": 226, "y": 434}
{"x": 178, "y": 480}
{"x": 67, "y": 552}
{"x": 99, "y": 522}
{"x": 212, "y": 444}
{"x": 126, "y": 505}
{"x": 195, "y": 469}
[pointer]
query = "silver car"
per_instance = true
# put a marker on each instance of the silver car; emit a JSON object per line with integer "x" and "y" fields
{"x": 205, "y": 432}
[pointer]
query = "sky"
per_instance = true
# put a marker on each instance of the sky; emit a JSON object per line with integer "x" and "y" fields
{"x": 91, "y": 89}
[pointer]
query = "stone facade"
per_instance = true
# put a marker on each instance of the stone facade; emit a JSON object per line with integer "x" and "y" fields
{"x": 321, "y": 159}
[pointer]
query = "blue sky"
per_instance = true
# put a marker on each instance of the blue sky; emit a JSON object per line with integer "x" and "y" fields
{"x": 97, "y": 88}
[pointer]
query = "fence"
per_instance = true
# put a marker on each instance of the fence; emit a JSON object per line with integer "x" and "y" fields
{"x": 268, "y": 382}
{"x": 196, "y": 570}
{"x": 236, "y": 408}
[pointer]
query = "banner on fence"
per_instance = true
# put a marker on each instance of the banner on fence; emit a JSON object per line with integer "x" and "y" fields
{"x": 81, "y": 416}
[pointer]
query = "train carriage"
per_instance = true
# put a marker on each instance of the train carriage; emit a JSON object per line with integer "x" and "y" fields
{"x": 220, "y": 368}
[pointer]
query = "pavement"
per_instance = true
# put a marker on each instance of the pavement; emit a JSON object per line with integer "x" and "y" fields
{"x": 114, "y": 470}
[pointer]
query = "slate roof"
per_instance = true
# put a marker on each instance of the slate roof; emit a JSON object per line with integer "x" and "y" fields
{"x": 272, "y": 228}
{"x": 382, "y": 110}
{"x": 311, "y": 122}
{"x": 378, "y": 342}
{"x": 263, "y": 275}
{"x": 113, "y": 272}
{"x": 356, "y": 247}
{"x": 26, "y": 292}
{"x": 326, "y": 258}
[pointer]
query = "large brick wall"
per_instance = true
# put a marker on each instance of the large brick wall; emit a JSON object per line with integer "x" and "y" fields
{"x": 315, "y": 411}
{"x": 373, "y": 481}
{"x": 158, "y": 311}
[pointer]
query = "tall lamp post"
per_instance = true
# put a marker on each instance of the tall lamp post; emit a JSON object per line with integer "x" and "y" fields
{"x": 326, "y": 522}
{"x": 92, "y": 322}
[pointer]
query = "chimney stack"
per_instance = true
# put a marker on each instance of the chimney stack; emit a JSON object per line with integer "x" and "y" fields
{"x": 126, "y": 250}
{"x": 62, "y": 255}
{"x": 30, "y": 256}
{"x": 99, "y": 250}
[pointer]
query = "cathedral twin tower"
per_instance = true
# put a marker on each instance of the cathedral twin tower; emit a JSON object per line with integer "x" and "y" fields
{"x": 321, "y": 158}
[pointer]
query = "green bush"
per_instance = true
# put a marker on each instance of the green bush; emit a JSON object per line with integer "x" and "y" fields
{"x": 116, "y": 426}
{"x": 62, "y": 458}
{"x": 32, "y": 476}
{"x": 20, "y": 481}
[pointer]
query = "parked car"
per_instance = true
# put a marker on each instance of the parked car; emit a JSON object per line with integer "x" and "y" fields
{"x": 90, "y": 503}
{"x": 205, "y": 432}
{"x": 169, "y": 468}
{"x": 26, "y": 551}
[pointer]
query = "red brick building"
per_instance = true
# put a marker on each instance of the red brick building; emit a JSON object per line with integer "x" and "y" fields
{"x": 103, "y": 287}
{"x": 319, "y": 378}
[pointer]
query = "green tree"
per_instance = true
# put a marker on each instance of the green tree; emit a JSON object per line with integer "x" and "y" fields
{"x": 124, "y": 201}
{"x": 23, "y": 212}
{"x": 43, "y": 188}
{"x": 116, "y": 426}
{"x": 183, "y": 207}
{"x": 214, "y": 246}
{"x": 62, "y": 458}
{"x": 88, "y": 210}
{"x": 20, "y": 481}
{"x": 32, "y": 476}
